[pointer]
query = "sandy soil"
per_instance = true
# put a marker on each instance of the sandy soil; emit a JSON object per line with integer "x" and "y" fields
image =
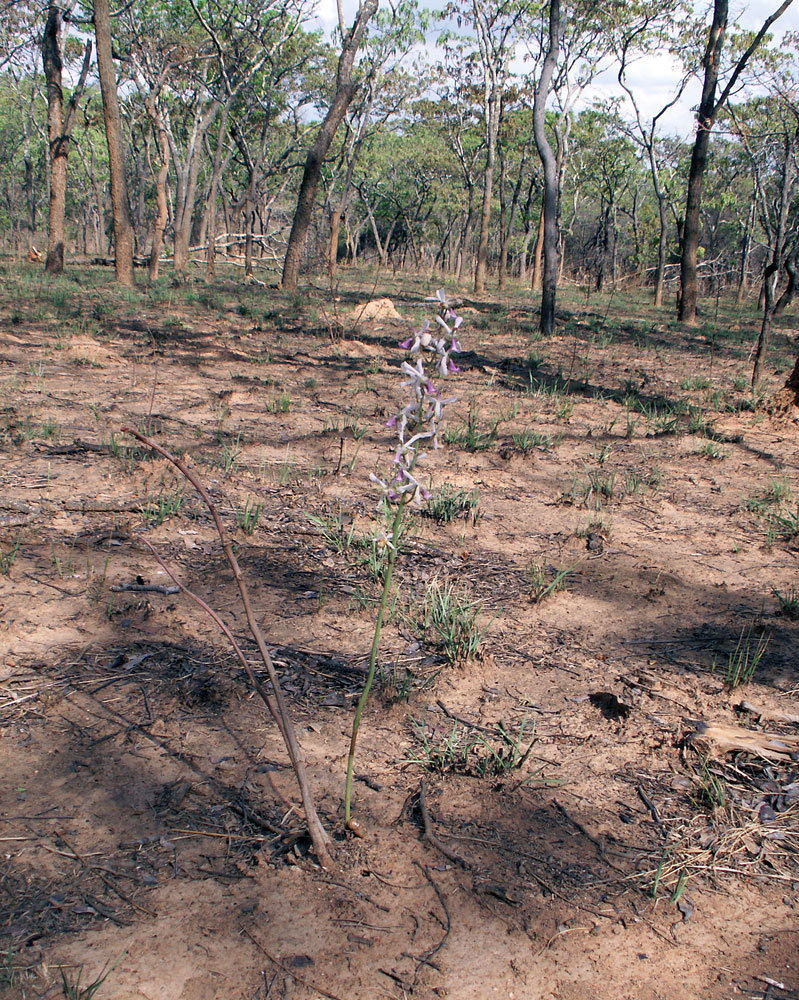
{"x": 149, "y": 820}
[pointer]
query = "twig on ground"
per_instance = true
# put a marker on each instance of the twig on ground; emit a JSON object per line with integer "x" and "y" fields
{"x": 649, "y": 804}
{"x": 598, "y": 844}
{"x": 425, "y": 959}
{"x": 429, "y": 835}
{"x": 284, "y": 968}
{"x": 464, "y": 721}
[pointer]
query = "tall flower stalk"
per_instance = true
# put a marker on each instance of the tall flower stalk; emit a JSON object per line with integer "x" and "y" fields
{"x": 417, "y": 425}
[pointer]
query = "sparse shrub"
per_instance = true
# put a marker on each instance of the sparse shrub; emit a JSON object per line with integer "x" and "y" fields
{"x": 545, "y": 580}
{"x": 449, "y": 503}
{"x": 247, "y": 516}
{"x": 788, "y": 602}
{"x": 450, "y": 620}
{"x": 8, "y": 555}
{"x": 744, "y": 660}
{"x": 473, "y": 752}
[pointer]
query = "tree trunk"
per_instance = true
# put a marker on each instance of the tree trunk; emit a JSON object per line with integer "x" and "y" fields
{"x": 345, "y": 91}
{"x": 789, "y": 291}
{"x": 59, "y": 146}
{"x": 58, "y": 129}
{"x": 159, "y": 223}
{"x": 788, "y": 396}
{"x": 216, "y": 173}
{"x": 778, "y": 255}
{"x": 660, "y": 273}
{"x": 538, "y": 252}
{"x": 706, "y": 116}
{"x": 465, "y": 233}
{"x": 709, "y": 108}
{"x": 123, "y": 229}
{"x": 746, "y": 250}
{"x": 550, "y": 168}
{"x": 332, "y": 250}
{"x": 485, "y": 223}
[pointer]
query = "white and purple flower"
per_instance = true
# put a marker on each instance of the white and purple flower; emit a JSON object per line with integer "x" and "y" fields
{"x": 420, "y": 418}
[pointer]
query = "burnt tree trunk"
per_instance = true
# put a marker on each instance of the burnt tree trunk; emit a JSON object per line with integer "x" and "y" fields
{"x": 120, "y": 204}
{"x": 59, "y": 126}
{"x": 709, "y": 108}
{"x": 345, "y": 91}
{"x": 706, "y": 116}
{"x": 550, "y": 168}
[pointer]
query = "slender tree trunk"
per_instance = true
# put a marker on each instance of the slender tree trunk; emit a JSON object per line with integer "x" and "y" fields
{"x": 332, "y": 249}
{"x": 789, "y": 171}
{"x": 183, "y": 217}
{"x": 216, "y": 173}
{"x": 59, "y": 145}
{"x": 140, "y": 213}
{"x": 58, "y": 128}
{"x": 538, "y": 252}
{"x": 743, "y": 274}
{"x": 550, "y": 169}
{"x": 159, "y": 223}
{"x": 709, "y": 108}
{"x": 706, "y": 116}
{"x": 488, "y": 190}
{"x": 507, "y": 230}
{"x": 503, "y": 213}
{"x": 123, "y": 229}
{"x": 345, "y": 91}
{"x": 30, "y": 199}
{"x": 249, "y": 216}
{"x": 465, "y": 232}
{"x": 660, "y": 274}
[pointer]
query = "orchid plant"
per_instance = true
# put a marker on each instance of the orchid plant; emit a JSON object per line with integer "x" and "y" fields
{"x": 417, "y": 425}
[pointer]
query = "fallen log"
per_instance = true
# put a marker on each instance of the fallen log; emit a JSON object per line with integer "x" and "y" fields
{"x": 717, "y": 740}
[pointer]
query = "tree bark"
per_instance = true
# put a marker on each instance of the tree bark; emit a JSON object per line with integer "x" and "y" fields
{"x": 550, "y": 169}
{"x": 159, "y": 223}
{"x": 345, "y": 91}
{"x": 777, "y": 262}
{"x": 59, "y": 147}
{"x": 216, "y": 174}
{"x": 58, "y": 127}
{"x": 790, "y": 392}
{"x": 746, "y": 249}
{"x": 538, "y": 252}
{"x": 120, "y": 204}
{"x": 789, "y": 292}
{"x": 485, "y": 219}
{"x": 709, "y": 108}
{"x": 706, "y": 116}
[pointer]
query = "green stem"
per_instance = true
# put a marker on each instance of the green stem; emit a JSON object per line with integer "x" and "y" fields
{"x": 392, "y": 555}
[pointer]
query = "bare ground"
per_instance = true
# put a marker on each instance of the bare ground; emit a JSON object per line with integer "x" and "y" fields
{"x": 150, "y": 823}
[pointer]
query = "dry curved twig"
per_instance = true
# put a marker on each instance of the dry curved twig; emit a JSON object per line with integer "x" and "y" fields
{"x": 320, "y": 839}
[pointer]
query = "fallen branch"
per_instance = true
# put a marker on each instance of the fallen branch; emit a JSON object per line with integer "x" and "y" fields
{"x": 768, "y": 713}
{"x": 717, "y": 740}
{"x": 145, "y": 588}
{"x": 320, "y": 839}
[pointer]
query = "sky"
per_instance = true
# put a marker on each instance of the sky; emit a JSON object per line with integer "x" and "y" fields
{"x": 654, "y": 79}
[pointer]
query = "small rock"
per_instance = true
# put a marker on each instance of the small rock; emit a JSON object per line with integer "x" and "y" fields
{"x": 766, "y": 813}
